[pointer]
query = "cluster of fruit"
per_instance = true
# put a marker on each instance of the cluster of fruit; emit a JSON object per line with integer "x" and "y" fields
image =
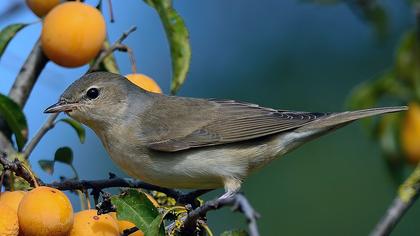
{"x": 48, "y": 211}
{"x": 73, "y": 34}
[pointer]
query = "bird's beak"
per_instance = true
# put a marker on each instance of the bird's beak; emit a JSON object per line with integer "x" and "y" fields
{"x": 61, "y": 106}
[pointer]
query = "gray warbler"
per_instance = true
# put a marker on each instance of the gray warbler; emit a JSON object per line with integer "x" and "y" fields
{"x": 192, "y": 143}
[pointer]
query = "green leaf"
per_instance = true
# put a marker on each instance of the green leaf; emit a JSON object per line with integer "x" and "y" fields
{"x": 47, "y": 166}
{"x": 80, "y": 130}
{"x": 134, "y": 206}
{"x": 388, "y": 132}
{"x": 64, "y": 155}
{"x": 178, "y": 38}
{"x": 7, "y": 34}
{"x": 236, "y": 232}
{"x": 376, "y": 15}
{"x": 15, "y": 119}
{"x": 155, "y": 227}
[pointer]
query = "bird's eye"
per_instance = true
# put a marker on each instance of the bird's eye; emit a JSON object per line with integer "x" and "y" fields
{"x": 92, "y": 93}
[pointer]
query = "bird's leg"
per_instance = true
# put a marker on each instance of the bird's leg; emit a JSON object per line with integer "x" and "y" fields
{"x": 232, "y": 187}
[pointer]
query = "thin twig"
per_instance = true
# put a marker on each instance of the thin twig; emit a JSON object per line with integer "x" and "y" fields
{"x": 238, "y": 202}
{"x": 129, "y": 231}
{"x": 131, "y": 57}
{"x": 111, "y": 12}
{"x": 18, "y": 168}
{"x": 408, "y": 193}
{"x": 49, "y": 124}
{"x": 189, "y": 198}
{"x": 112, "y": 48}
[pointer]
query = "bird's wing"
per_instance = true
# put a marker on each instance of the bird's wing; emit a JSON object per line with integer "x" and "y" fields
{"x": 221, "y": 122}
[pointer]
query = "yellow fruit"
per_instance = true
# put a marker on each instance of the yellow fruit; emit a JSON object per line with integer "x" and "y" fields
{"x": 123, "y": 225}
{"x": 89, "y": 223}
{"x": 12, "y": 199}
{"x": 45, "y": 211}
{"x": 9, "y": 225}
{"x": 41, "y": 7}
{"x": 73, "y": 34}
{"x": 410, "y": 133}
{"x": 144, "y": 82}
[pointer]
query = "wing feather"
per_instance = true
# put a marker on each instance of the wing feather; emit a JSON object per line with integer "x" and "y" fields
{"x": 228, "y": 121}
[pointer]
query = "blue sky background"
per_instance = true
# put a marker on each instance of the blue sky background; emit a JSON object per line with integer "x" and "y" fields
{"x": 283, "y": 54}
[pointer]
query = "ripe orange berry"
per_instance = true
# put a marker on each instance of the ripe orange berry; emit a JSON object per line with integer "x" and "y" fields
{"x": 144, "y": 82}
{"x": 41, "y": 7}
{"x": 73, "y": 34}
{"x": 123, "y": 225}
{"x": 89, "y": 223}
{"x": 410, "y": 133}
{"x": 9, "y": 225}
{"x": 12, "y": 199}
{"x": 45, "y": 211}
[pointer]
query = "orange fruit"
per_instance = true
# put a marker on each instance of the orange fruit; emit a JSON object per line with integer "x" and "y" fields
{"x": 41, "y": 7}
{"x": 123, "y": 225}
{"x": 73, "y": 34}
{"x": 12, "y": 199}
{"x": 410, "y": 133}
{"x": 88, "y": 222}
{"x": 144, "y": 82}
{"x": 9, "y": 225}
{"x": 45, "y": 211}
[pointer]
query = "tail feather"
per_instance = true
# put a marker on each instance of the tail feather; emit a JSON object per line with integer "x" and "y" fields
{"x": 343, "y": 118}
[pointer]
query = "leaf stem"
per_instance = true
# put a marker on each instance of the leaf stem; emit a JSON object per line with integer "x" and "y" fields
{"x": 48, "y": 125}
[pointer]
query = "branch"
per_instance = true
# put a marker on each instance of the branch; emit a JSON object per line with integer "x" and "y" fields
{"x": 115, "y": 46}
{"x": 49, "y": 124}
{"x": 97, "y": 185}
{"x": 238, "y": 203}
{"x": 28, "y": 75}
{"x": 18, "y": 168}
{"x": 22, "y": 88}
{"x": 111, "y": 183}
{"x": 408, "y": 193}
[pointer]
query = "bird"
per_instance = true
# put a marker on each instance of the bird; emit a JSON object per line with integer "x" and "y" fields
{"x": 191, "y": 143}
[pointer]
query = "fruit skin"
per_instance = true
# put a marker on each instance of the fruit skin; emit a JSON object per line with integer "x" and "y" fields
{"x": 12, "y": 199}
{"x": 123, "y": 225}
{"x": 410, "y": 133}
{"x": 45, "y": 211}
{"x": 89, "y": 223}
{"x": 41, "y": 7}
{"x": 73, "y": 34}
{"x": 144, "y": 82}
{"x": 9, "y": 225}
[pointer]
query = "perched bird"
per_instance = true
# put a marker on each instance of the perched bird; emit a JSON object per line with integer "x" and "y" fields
{"x": 181, "y": 142}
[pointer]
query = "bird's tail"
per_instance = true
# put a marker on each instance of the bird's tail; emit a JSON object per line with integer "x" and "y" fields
{"x": 336, "y": 120}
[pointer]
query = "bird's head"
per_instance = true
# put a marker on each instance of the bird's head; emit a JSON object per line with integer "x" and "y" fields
{"x": 94, "y": 99}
